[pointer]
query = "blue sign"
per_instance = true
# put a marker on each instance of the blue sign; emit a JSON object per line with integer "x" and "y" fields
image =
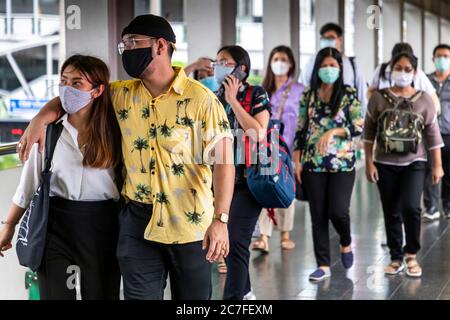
{"x": 26, "y": 106}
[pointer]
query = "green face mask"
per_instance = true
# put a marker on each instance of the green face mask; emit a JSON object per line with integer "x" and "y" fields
{"x": 329, "y": 75}
{"x": 442, "y": 64}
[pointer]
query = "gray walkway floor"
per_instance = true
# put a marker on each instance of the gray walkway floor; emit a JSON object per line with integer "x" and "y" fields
{"x": 284, "y": 275}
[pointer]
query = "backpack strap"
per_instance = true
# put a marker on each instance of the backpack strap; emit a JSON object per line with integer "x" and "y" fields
{"x": 52, "y": 136}
{"x": 247, "y": 105}
{"x": 353, "y": 63}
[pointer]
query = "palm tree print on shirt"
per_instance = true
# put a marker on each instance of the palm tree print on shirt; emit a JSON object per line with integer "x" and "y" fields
{"x": 179, "y": 104}
{"x": 153, "y": 132}
{"x": 194, "y": 217}
{"x": 162, "y": 199}
{"x": 165, "y": 130}
{"x": 123, "y": 114}
{"x": 188, "y": 122}
{"x": 152, "y": 164}
{"x": 177, "y": 169}
{"x": 224, "y": 125}
{"x": 145, "y": 113}
{"x": 141, "y": 144}
{"x": 142, "y": 192}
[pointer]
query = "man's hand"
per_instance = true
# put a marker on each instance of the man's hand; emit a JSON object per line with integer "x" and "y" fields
{"x": 35, "y": 133}
{"x": 372, "y": 172}
{"x": 216, "y": 241}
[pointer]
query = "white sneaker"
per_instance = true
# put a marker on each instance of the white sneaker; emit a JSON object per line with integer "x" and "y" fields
{"x": 432, "y": 216}
{"x": 250, "y": 296}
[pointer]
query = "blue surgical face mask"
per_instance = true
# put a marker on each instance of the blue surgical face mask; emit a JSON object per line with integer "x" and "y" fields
{"x": 329, "y": 75}
{"x": 211, "y": 83}
{"x": 442, "y": 64}
{"x": 327, "y": 43}
{"x": 221, "y": 72}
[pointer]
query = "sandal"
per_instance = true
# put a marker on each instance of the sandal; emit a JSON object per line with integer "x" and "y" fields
{"x": 413, "y": 268}
{"x": 287, "y": 244}
{"x": 222, "y": 267}
{"x": 394, "y": 268}
{"x": 259, "y": 245}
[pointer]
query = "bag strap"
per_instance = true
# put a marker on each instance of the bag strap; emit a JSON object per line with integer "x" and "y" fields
{"x": 286, "y": 93}
{"x": 353, "y": 63}
{"x": 53, "y": 133}
{"x": 247, "y": 105}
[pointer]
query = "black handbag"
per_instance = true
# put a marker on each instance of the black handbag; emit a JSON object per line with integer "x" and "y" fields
{"x": 32, "y": 235}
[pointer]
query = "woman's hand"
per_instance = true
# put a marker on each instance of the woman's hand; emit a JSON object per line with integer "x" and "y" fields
{"x": 231, "y": 85}
{"x": 325, "y": 141}
{"x": 6, "y": 236}
{"x": 371, "y": 172}
{"x": 298, "y": 171}
{"x": 437, "y": 174}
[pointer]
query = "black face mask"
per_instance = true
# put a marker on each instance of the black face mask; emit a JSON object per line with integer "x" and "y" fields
{"x": 136, "y": 61}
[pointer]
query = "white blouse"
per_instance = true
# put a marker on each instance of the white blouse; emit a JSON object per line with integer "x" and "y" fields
{"x": 70, "y": 179}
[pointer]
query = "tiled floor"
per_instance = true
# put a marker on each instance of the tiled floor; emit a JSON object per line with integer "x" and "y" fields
{"x": 284, "y": 275}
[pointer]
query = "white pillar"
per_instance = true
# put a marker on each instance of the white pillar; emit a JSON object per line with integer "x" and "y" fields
{"x": 49, "y": 82}
{"x": 281, "y": 26}
{"x": 325, "y": 11}
{"x": 155, "y": 7}
{"x": 101, "y": 24}
{"x": 413, "y": 18}
{"x": 445, "y": 31}
{"x": 431, "y": 39}
{"x": 365, "y": 39}
{"x": 203, "y": 28}
{"x": 391, "y": 26}
{"x": 36, "y": 13}
{"x": 8, "y": 18}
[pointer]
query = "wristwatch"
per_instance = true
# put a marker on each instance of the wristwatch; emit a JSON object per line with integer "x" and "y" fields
{"x": 222, "y": 217}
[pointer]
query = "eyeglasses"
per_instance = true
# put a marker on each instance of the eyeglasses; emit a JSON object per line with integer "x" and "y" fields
{"x": 130, "y": 44}
{"x": 223, "y": 63}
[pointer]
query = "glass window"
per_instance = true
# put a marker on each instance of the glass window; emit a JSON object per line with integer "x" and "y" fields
{"x": 249, "y": 29}
{"x": 307, "y": 31}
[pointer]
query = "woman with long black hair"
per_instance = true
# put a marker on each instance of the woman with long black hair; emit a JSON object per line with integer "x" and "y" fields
{"x": 248, "y": 111}
{"x": 330, "y": 117}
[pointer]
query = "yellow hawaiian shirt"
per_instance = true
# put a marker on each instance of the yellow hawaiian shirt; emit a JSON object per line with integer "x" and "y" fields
{"x": 167, "y": 143}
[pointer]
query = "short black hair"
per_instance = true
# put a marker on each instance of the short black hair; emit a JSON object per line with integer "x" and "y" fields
{"x": 240, "y": 55}
{"x": 332, "y": 27}
{"x": 439, "y": 47}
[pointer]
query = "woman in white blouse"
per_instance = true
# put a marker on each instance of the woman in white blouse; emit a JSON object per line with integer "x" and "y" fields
{"x": 83, "y": 218}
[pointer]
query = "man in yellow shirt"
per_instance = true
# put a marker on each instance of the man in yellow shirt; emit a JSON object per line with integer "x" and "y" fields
{"x": 173, "y": 129}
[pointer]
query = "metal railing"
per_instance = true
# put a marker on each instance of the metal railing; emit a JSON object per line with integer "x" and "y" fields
{"x": 8, "y": 148}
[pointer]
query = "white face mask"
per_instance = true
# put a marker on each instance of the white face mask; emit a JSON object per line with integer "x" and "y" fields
{"x": 73, "y": 100}
{"x": 402, "y": 79}
{"x": 279, "y": 68}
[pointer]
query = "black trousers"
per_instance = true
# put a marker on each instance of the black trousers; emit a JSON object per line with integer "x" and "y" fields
{"x": 145, "y": 265}
{"x": 244, "y": 214}
{"x": 431, "y": 192}
{"x": 400, "y": 192}
{"x": 329, "y": 196}
{"x": 82, "y": 237}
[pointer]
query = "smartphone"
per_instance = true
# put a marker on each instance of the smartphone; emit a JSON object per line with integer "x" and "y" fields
{"x": 238, "y": 74}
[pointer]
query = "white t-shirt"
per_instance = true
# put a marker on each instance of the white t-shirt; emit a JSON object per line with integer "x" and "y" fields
{"x": 421, "y": 81}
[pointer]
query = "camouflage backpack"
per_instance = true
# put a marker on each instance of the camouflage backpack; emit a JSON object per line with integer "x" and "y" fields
{"x": 399, "y": 127}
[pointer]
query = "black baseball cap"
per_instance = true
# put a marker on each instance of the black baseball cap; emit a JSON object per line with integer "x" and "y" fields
{"x": 152, "y": 26}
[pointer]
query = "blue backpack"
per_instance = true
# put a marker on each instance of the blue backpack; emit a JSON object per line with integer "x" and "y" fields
{"x": 271, "y": 180}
